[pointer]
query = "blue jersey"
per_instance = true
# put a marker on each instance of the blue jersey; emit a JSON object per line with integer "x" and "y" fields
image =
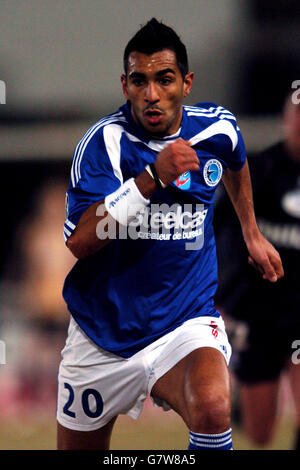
{"x": 163, "y": 270}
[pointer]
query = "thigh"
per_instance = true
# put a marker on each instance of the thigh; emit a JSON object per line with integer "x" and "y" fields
{"x": 95, "y": 386}
{"x": 69, "y": 439}
{"x": 203, "y": 373}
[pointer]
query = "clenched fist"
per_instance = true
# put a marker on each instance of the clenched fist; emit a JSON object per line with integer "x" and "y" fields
{"x": 175, "y": 159}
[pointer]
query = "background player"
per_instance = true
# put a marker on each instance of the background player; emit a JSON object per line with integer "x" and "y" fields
{"x": 143, "y": 317}
{"x": 269, "y": 312}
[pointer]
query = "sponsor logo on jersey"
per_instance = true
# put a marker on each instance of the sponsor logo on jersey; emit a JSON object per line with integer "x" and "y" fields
{"x": 175, "y": 222}
{"x": 175, "y": 217}
{"x": 212, "y": 172}
{"x": 183, "y": 181}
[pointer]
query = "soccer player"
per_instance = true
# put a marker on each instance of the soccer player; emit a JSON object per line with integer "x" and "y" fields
{"x": 139, "y": 220}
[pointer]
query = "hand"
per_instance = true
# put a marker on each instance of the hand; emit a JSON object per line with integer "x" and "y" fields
{"x": 175, "y": 159}
{"x": 265, "y": 258}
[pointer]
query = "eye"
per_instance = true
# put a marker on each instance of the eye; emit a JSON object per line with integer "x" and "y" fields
{"x": 138, "y": 82}
{"x": 165, "y": 80}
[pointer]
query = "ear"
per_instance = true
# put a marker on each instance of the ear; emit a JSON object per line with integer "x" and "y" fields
{"x": 187, "y": 83}
{"x": 124, "y": 85}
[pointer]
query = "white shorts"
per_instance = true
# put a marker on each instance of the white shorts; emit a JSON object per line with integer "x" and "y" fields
{"x": 95, "y": 385}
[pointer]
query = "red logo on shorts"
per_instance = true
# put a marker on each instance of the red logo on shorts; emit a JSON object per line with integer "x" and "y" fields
{"x": 214, "y": 330}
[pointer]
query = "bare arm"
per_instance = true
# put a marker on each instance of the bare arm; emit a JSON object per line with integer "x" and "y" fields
{"x": 171, "y": 162}
{"x": 262, "y": 255}
{"x": 85, "y": 241}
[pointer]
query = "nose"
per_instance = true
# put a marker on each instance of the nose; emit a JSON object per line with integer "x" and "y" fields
{"x": 151, "y": 95}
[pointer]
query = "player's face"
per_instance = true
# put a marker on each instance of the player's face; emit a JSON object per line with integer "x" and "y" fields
{"x": 156, "y": 90}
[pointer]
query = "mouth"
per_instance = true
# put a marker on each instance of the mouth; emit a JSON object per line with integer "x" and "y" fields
{"x": 153, "y": 116}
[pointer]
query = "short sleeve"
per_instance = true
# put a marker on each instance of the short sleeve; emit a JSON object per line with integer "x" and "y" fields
{"x": 237, "y": 158}
{"x": 227, "y": 135}
{"x": 95, "y": 173}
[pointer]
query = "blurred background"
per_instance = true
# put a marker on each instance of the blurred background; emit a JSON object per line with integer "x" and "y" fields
{"x": 61, "y": 62}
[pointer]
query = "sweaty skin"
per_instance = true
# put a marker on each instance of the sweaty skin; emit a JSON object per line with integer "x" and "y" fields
{"x": 156, "y": 89}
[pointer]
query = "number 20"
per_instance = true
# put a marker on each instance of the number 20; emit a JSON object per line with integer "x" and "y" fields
{"x": 84, "y": 402}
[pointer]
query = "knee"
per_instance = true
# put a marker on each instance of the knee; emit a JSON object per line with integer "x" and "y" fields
{"x": 208, "y": 411}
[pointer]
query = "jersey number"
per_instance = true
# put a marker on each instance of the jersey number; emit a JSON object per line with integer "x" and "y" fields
{"x": 95, "y": 413}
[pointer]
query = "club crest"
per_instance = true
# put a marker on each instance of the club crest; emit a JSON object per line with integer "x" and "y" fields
{"x": 212, "y": 172}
